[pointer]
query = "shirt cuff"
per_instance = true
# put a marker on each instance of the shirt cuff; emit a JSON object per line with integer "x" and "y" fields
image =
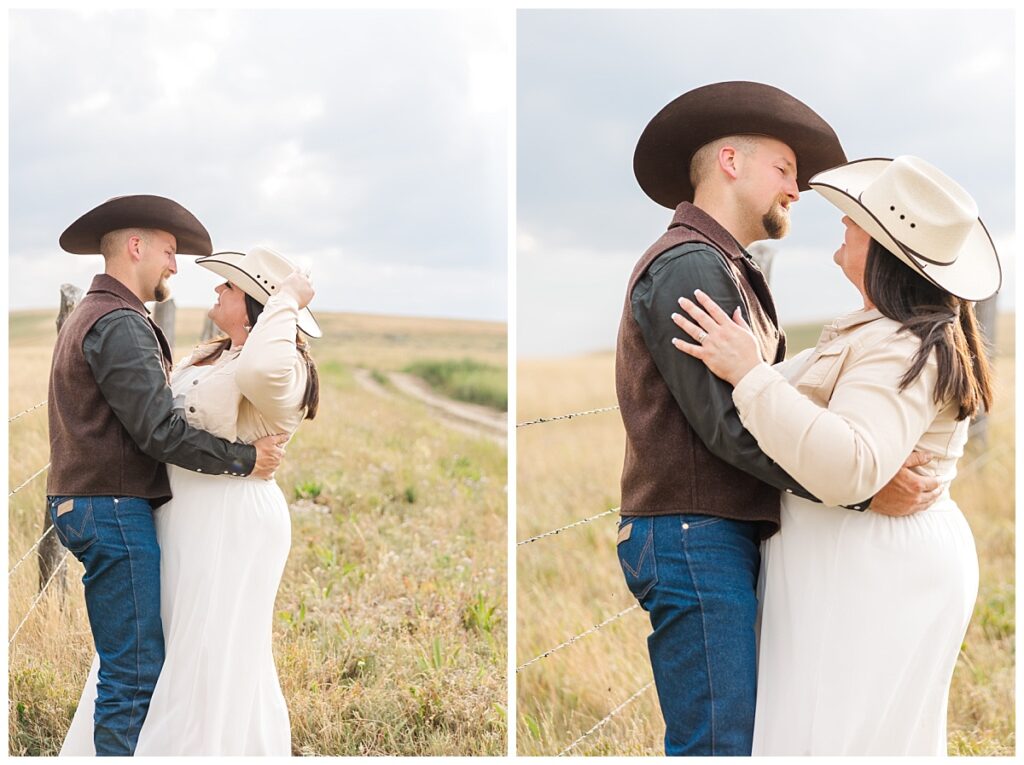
{"x": 752, "y": 384}
{"x": 287, "y": 298}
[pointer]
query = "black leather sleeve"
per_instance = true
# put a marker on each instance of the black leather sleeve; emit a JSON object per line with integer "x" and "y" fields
{"x": 124, "y": 356}
{"x": 705, "y": 400}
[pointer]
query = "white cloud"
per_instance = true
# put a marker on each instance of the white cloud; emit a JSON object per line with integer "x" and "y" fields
{"x": 378, "y": 133}
{"x": 95, "y": 102}
{"x": 938, "y": 84}
{"x": 293, "y": 175}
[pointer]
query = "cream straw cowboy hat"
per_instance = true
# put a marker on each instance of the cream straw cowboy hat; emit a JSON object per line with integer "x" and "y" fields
{"x": 259, "y": 273}
{"x": 921, "y": 216}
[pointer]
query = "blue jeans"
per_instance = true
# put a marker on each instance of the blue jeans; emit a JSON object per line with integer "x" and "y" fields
{"x": 115, "y": 539}
{"x": 697, "y": 576}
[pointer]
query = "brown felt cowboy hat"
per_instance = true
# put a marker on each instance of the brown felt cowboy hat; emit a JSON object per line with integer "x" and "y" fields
{"x": 137, "y": 211}
{"x": 258, "y": 273}
{"x": 920, "y": 215}
{"x": 661, "y": 162}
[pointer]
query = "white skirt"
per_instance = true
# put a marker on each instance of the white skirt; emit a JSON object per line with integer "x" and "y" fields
{"x": 862, "y": 620}
{"x": 223, "y": 547}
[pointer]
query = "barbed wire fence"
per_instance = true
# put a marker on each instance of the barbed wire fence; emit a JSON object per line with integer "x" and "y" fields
{"x": 47, "y": 549}
{"x": 972, "y": 466}
{"x": 618, "y": 709}
{"x": 27, "y": 411}
{"x": 48, "y": 574}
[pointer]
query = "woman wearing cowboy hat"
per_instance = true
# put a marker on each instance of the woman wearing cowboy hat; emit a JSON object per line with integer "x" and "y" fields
{"x": 863, "y": 615}
{"x": 224, "y": 539}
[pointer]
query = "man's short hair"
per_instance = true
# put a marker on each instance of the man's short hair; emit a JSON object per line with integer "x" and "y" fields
{"x": 112, "y": 242}
{"x": 706, "y": 157}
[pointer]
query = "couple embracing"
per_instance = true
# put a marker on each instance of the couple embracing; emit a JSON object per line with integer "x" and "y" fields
{"x": 161, "y": 484}
{"x": 787, "y": 523}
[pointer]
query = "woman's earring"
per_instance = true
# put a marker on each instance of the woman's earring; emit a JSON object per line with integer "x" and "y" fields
{"x": 247, "y": 327}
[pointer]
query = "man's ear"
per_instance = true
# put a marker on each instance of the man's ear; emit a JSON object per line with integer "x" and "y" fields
{"x": 728, "y": 161}
{"x": 134, "y": 245}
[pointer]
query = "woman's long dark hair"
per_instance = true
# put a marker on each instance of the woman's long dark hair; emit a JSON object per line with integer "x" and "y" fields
{"x": 945, "y": 324}
{"x": 311, "y": 398}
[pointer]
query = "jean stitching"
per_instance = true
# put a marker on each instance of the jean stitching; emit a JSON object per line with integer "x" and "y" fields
{"x": 643, "y": 553}
{"x": 704, "y": 630}
{"x": 138, "y": 636}
{"x": 708, "y": 520}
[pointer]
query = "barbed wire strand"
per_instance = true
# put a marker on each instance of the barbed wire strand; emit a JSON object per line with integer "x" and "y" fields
{"x": 33, "y": 547}
{"x": 571, "y": 525}
{"x": 38, "y": 597}
{"x": 33, "y": 477}
{"x": 982, "y": 459}
{"x": 539, "y": 420}
{"x": 573, "y": 639}
{"x": 22, "y": 414}
{"x": 606, "y": 719}
{"x": 974, "y": 464}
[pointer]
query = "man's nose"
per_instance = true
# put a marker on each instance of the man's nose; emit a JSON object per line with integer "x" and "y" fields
{"x": 172, "y": 265}
{"x": 793, "y": 190}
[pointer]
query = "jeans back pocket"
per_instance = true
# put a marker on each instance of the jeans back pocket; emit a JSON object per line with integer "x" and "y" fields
{"x": 636, "y": 554}
{"x": 74, "y": 522}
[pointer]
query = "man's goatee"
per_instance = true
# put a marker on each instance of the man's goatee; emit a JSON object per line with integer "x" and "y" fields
{"x": 775, "y": 222}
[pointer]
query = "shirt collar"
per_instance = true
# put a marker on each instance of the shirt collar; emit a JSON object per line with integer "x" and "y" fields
{"x": 107, "y": 283}
{"x": 689, "y": 215}
{"x": 848, "y": 321}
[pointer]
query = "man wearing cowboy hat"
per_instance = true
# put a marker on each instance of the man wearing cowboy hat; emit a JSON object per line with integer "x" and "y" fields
{"x": 112, "y": 427}
{"x": 698, "y": 495}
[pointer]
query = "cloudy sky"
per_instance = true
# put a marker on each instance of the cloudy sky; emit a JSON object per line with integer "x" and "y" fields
{"x": 938, "y": 84}
{"x": 370, "y": 146}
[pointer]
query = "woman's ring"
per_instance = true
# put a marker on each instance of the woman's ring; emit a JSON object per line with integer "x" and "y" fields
{"x": 701, "y": 336}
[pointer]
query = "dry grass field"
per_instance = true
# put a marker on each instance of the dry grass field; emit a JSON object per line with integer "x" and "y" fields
{"x": 390, "y": 631}
{"x": 569, "y": 470}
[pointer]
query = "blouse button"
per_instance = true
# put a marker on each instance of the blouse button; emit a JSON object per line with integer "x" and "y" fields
{"x": 195, "y": 382}
{"x": 192, "y": 409}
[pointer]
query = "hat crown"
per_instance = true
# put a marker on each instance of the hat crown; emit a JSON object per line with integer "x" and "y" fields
{"x": 267, "y": 267}
{"x": 924, "y": 209}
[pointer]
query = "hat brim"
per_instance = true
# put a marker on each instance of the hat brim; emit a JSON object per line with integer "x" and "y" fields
{"x": 975, "y": 275}
{"x": 137, "y": 211}
{"x": 227, "y": 265}
{"x": 661, "y": 162}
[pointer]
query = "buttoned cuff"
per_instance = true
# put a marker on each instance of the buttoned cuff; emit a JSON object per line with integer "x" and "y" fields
{"x": 752, "y": 384}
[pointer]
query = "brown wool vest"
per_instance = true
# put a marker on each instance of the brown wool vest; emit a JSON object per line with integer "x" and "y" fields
{"x": 667, "y": 468}
{"x": 91, "y": 453}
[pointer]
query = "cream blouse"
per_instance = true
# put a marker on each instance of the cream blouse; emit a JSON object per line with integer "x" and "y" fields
{"x": 839, "y": 424}
{"x": 255, "y": 390}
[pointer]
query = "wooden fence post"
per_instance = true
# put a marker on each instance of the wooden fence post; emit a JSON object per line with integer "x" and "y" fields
{"x": 51, "y": 551}
{"x": 986, "y": 314}
{"x": 763, "y": 256}
{"x": 210, "y": 330}
{"x": 163, "y": 315}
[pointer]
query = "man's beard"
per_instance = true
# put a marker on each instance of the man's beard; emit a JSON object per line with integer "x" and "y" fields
{"x": 776, "y": 222}
{"x": 162, "y": 291}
